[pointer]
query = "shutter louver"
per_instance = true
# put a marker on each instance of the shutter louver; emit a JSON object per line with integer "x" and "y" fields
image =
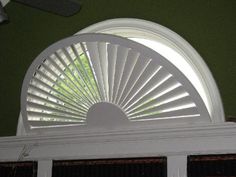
{"x": 74, "y": 74}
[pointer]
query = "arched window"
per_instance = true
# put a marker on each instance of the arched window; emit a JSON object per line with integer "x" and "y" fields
{"x": 148, "y": 77}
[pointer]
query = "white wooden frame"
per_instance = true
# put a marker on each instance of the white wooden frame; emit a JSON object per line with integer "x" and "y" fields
{"x": 131, "y": 27}
{"x": 175, "y": 143}
{"x": 115, "y": 123}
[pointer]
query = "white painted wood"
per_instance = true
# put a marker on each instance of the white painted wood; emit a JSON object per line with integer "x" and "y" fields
{"x": 145, "y": 78}
{"x": 55, "y": 74}
{"x": 146, "y": 93}
{"x": 127, "y": 71}
{"x": 102, "y": 48}
{"x": 112, "y": 57}
{"x": 95, "y": 60}
{"x": 177, "y": 166}
{"x": 122, "y": 54}
{"x": 20, "y": 127}
{"x": 44, "y": 168}
{"x": 137, "y": 72}
{"x": 142, "y": 29}
{"x": 152, "y": 142}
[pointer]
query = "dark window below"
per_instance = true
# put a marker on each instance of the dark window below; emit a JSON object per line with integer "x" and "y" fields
{"x": 18, "y": 169}
{"x": 148, "y": 167}
{"x": 212, "y": 165}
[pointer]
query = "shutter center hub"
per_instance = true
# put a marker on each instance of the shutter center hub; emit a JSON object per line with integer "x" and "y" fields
{"x": 105, "y": 114}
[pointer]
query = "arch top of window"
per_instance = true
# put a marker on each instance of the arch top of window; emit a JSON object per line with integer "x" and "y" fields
{"x": 175, "y": 49}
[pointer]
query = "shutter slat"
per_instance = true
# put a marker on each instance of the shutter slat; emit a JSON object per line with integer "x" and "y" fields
{"x": 112, "y": 56}
{"x": 128, "y": 69}
{"x": 92, "y": 48}
{"x": 139, "y": 68}
{"x": 122, "y": 54}
{"x": 183, "y": 113}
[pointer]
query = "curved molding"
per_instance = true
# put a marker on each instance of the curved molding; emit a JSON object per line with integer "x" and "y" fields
{"x": 172, "y": 39}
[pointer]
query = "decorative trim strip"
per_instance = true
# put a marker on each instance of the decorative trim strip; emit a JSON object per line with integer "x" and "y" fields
{"x": 217, "y": 139}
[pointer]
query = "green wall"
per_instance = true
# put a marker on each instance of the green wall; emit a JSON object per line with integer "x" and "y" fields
{"x": 208, "y": 25}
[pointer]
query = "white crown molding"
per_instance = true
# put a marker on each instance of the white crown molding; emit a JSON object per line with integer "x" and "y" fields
{"x": 209, "y": 139}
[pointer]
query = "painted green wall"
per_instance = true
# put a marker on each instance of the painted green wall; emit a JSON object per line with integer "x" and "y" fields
{"x": 209, "y": 25}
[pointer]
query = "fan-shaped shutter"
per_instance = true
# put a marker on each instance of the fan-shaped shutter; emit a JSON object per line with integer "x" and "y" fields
{"x": 74, "y": 74}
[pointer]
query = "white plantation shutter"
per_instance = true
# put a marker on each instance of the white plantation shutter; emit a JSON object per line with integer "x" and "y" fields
{"x": 77, "y": 73}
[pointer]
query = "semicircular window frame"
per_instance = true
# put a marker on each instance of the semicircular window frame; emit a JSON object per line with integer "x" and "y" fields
{"x": 137, "y": 30}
